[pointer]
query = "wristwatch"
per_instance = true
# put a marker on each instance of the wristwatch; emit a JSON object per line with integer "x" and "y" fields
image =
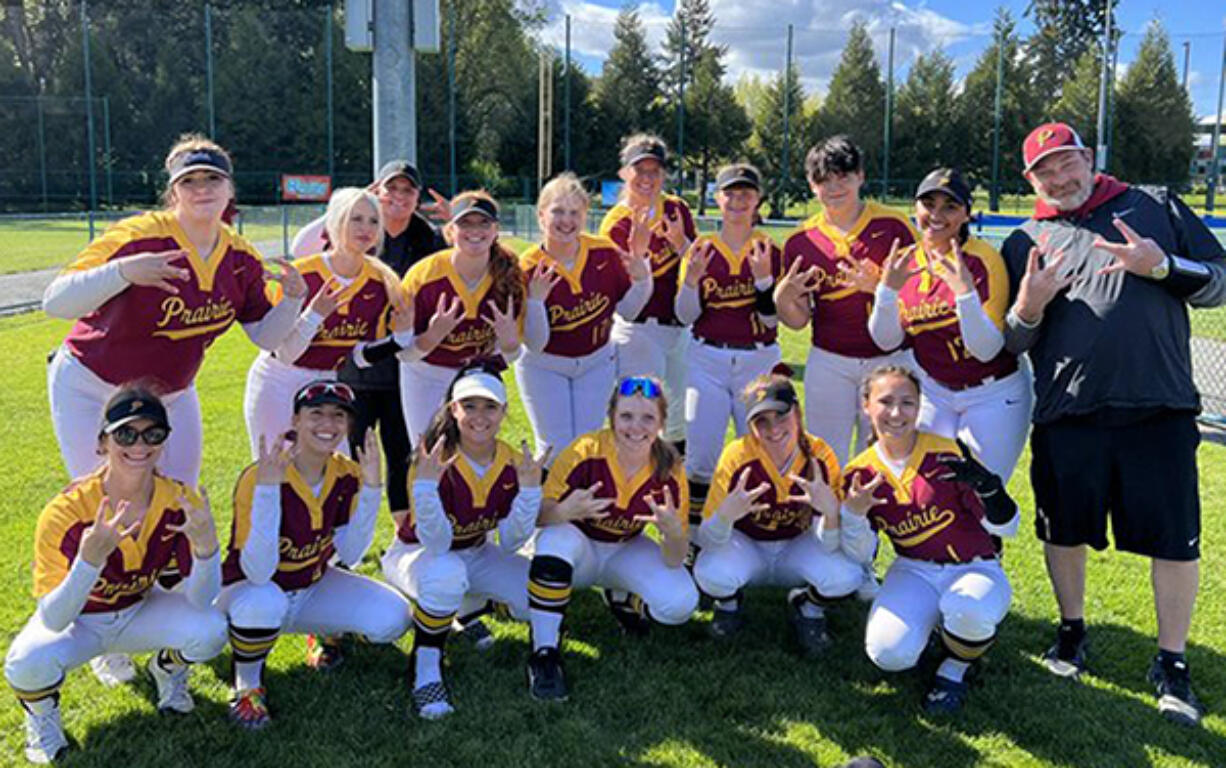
{"x": 1162, "y": 269}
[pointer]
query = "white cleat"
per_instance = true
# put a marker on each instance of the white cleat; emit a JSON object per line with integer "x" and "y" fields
{"x": 113, "y": 669}
{"x": 173, "y": 695}
{"x": 45, "y": 742}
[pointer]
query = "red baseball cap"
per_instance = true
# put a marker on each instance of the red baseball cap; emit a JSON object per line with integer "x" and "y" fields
{"x": 1046, "y": 139}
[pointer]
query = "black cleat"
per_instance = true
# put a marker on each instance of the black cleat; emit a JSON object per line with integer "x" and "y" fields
{"x": 546, "y": 681}
{"x": 1067, "y": 658}
{"x": 629, "y": 612}
{"x": 810, "y": 632}
{"x": 945, "y": 697}
{"x": 1176, "y": 701}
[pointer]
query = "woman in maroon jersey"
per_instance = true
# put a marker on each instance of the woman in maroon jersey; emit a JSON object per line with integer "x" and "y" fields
{"x": 944, "y": 513}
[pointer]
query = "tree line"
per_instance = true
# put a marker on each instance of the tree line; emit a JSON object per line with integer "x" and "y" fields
{"x": 148, "y": 62}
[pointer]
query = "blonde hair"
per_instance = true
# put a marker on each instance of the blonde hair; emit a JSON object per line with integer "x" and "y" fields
{"x": 190, "y": 142}
{"x": 340, "y": 207}
{"x": 560, "y": 187}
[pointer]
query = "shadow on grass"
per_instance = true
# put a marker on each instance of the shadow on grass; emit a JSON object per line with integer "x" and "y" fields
{"x": 678, "y": 697}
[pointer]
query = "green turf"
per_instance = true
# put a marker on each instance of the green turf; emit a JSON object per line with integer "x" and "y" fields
{"x": 674, "y": 699}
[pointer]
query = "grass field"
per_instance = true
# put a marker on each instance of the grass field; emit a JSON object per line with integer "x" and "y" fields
{"x": 674, "y": 699}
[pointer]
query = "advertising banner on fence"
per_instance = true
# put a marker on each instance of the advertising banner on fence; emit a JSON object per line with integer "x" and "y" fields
{"x": 306, "y": 189}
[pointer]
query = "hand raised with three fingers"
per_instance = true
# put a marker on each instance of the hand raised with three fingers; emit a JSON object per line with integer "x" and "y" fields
{"x": 368, "y": 460}
{"x": 815, "y": 492}
{"x": 430, "y": 464}
{"x": 111, "y": 525}
{"x": 638, "y": 267}
{"x": 672, "y": 229}
{"x": 860, "y": 499}
{"x": 640, "y": 233}
{"x": 953, "y": 270}
{"x": 796, "y": 283}
{"x": 542, "y": 280}
{"x": 742, "y": 500}
{"x": 530, "y": 468}
{"x": 897, "y": 266}
{"x": 274, "y": 459}
{"x": 1138, "y": 255}
{"x": 293, "y": 284}
{"x": 696, "y": 262}
{"x": 198, "y": 526}
{"x": 505, "y": 324}
{"x": 155, "y": 270}
{"x": 664, "y": 515}
{"x": 446, "y": 317}
{"x": 1040, "y": 284}
{"x": 439, "y": 210}
{"x": 583, "y": 504}
{"x": 998, "y": 507}
{"x": 402, "y": 315}
{"x": 328, "y": 299}
{"x": 861, "y": 274}
{"x": 759, "y": 258}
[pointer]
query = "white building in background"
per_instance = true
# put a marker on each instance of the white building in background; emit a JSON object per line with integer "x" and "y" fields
{"x": 1203, "y": 141}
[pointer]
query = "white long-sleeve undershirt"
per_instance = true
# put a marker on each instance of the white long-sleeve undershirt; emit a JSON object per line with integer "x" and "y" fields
{"x": 434, "y": 529}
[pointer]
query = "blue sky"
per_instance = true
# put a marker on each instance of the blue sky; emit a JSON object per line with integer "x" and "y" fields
{"x": 755, "y": 33}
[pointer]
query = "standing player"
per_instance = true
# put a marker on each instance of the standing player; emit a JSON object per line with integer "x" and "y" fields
{"x": 947, "y": 299}
{"x": 99, "y": 548}
{"x": 760, "y": 526}
{"x": 849, "y": 235}
{"x": 943, "y": 512}
{"x": 349, "y": 294}
{"x": 577, "y": 284}
{"x": 653, "y": 343}
{"x": 467, "y": 301}
{"x": 295, "y": 508}
{"x": 149, "y": 297}
{"x": 601, "y": 494}
{"x": 466, "y": 485}
{"x": 727, "y": 282}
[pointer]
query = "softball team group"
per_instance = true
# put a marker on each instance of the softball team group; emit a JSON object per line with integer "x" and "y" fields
{"x": 633, "y": 351}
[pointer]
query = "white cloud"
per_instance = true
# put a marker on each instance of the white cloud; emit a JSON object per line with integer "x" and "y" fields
{"x": 755, "y": 32}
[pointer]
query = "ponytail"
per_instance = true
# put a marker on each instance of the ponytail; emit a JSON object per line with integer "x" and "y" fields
{"x": 443, "y": 425}
{"x": 506, "y": 278}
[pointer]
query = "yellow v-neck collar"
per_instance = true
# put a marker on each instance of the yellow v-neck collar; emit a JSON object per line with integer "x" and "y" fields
{"x": 842, "y": 242}
{"x": 471, "y": 299}
{"x": 902, "y": 485}
{"x": 313, "y": 503}
{"x": 205, "y": 269}
{"x": 365, "y": 275}
{"x": 626, "y": 488}
{"x": 737, "y": 259}
{"x": 479, "y": 485}
{"x": 574, "y": 275}
{"x": 783, "y": 486}
{"x": 134, "y": 549}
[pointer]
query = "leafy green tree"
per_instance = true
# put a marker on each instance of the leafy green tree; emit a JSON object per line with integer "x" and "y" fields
{"x": 628, "y": 91}
{"x": 1156, "y": 122}
{"x": 1064, "y": 31}
{"x": 925, "y": 118}
{"x": 717, "y": 125}
{"x": 855, "y": 101}
{"x": 766, "y": 143}
{"x": 1078, "y": 102}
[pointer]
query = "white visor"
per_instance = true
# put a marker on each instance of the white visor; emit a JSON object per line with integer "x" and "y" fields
{"x": 479, "y": 384}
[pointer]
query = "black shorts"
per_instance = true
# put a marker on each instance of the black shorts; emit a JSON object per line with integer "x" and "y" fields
{"x": 1143, "y": 476}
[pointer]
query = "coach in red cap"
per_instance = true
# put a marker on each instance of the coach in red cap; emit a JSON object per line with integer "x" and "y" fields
{"x": 1101, "y": 278}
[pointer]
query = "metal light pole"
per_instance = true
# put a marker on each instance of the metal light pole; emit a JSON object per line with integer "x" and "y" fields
{"x": 994, "y": 195}
{"x": 329, "y": 15}
{"x": 89, "y": 120}
{"x": 1217, "y": 132}
{"x": 1187, "y": 55}
{"x": 208, "y": 66}
{"x": 787, "y": 109}
{"x": 1100, "y": 157}
{"x": 681, "y": 119}
{"x": 889, "y": 118}
{"x": 451, "y": 160}
{"x": 394, "y": 100}
{"x": 566, "y": 106}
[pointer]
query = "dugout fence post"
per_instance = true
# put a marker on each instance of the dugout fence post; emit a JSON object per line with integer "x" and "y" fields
{"x": 994, "y": 194}
{"x": 89, "y": 117}
{"x": 208, "y": 67}
{"x": 889, "y": 119}
{"x": 566, "y": 107}
{"x": 42, "y": 144}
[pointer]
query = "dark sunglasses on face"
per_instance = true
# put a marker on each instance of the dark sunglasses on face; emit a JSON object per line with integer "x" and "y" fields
{"x": 128, "y": 435}
{"x": 639, "y": 385}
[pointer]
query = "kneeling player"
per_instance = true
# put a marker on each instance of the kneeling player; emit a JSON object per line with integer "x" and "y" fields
{"x": 293, "y": 510}
{"x": 758, "y": 522}
{"x": 602, "y": 492}
{"x": 943, "y": 512}
{"x": 467, "y": 484}
{"x": 100, "y": 546}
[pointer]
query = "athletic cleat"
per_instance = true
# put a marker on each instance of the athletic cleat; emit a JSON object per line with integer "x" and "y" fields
{"x": 477, "y": 633}
{"x": 113, "y": 669}
{"x": 323, "y": 652}
{"x": 249, "y": 709}
{"x": 173, "y": 695}
{"x": 725, "y": 624}
{"x": 1176, "y": 701}
{"x": 629, "y": 611}
{"x": 1067, "y": 658}
{"x": 811, "y": 634}
{"x": 45, "y": 741}
{"x": 945, "y": 697}
{"x": 430, "y": 701}
{"x": 546, "y": 681}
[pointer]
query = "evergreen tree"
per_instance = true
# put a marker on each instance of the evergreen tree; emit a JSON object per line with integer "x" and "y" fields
{"x": 717, "y": 125}
{"x": 855, "y": 101}
{"x": 766, "y": 142}
{"x": 925, "y": 116}
{"x": 1064, "y": 31}
{"x": 1078, "y": 102}
{"x": 628, "y": 89}
{"x": 1156, "y": 122}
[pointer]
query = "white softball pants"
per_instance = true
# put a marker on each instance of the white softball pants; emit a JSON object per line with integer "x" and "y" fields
{"x": 651, "y": 349}
{"x": 268, "y": 402}
{"x": 565, "y": 396}
{"x": 635, "y": 566}
{"x": 423, "y": 388}
{"x": 992, "y": 418}
{"x": 341, "y": 601}
{"x": 969, "y": 599}
{"x": 444, "y": 583}
{"x": 715, "y": 380}
{"x": 722, "y": 570}
{"x": 833, "y": 397}
{"x": 39, "y": 657}
{"x": 78, "y": 398}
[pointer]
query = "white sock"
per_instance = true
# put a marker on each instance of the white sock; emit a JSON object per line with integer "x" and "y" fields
{"x": 247, "y": 675}
{"x": 428, "y": 666}
{"x": 618, "y": 596}
{"x": 41, "y": 706}
{"x": 953, "y": 669}
{"x": 546, "y": 625}
{"x": 810, "y": 609}
{"x": 730, "y": 605}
